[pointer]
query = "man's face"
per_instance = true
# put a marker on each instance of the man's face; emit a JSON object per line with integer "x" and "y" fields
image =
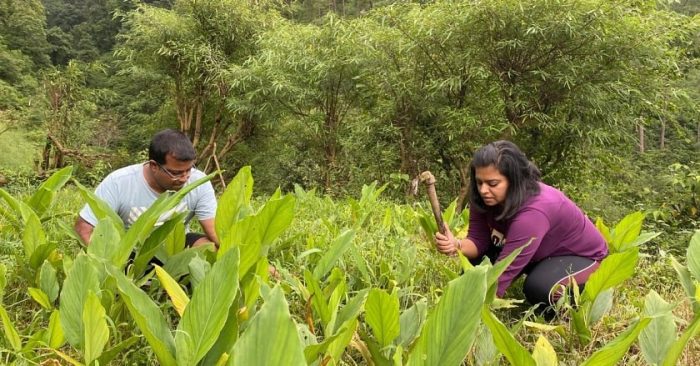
{"x": 172, "y": 175}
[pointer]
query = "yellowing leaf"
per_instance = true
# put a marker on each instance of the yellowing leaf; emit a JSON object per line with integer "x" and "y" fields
{"x": 177, "y": 295}
{"x": 544, "y": 353}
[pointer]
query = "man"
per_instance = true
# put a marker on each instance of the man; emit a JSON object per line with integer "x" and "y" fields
{"x": 131, "y": 190}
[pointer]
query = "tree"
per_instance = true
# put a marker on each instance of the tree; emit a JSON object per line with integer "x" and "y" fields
{"x": 198, "y": 47}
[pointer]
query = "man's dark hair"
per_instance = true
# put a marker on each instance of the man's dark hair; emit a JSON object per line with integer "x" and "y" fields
{"x": 523, "y": 176}
{"x": 171, "y": 142}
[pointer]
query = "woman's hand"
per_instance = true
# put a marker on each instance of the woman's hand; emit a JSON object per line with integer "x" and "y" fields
{"x": 447, "y": 243}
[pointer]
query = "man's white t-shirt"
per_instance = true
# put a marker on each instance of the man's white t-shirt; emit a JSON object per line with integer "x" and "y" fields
{"x": 126, "y": 191}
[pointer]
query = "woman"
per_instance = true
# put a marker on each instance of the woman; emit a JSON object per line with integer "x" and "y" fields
{"x": 509, "y": 207}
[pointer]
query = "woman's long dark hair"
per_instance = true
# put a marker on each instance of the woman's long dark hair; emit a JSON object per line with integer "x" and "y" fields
{"x": 523, "y": 176}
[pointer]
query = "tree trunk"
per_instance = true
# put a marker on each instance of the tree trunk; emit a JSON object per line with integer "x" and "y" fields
{"x": 641, "y": 138}
{"x": 463, "y": 186}
{"x": 662, "y": 138}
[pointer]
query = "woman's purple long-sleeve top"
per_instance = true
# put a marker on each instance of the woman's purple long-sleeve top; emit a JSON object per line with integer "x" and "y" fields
{"x": 557, "y": 225}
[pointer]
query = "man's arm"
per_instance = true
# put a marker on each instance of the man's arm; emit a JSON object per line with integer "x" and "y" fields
{"x": 83, "y": 229}
{"x": 209, "y": 231}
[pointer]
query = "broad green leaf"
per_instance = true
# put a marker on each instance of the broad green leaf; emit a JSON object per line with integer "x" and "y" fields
{"x": 43, "y": 197}
{"x": 339, "y": 291}
{"x": 583, "y": 332}
{"x": 48, "y": 282}
{"x": 340, "y": 245}
{"x": 603, "y": 229}
{"x": 147, "y": 316}
{"x": 505, "y": 341}
{"x": 33, "y": 236}
{"x": 376, "y": 354}
{"x": 198, "y": 270}
{"x": 627, "y": 230}
{"x": 485, "y": 350}
{"x": 206, "y": 314}
{"x": 96, "y": 332}
{"x": 656, "y": 339}
{"x": 601, "y": 305}
{"x": 336, "y": 348}
{"x": 226, "y": 339}
{"x": 641, "y": 239}
{"x": 687, "y": 282}
{"x": 614, "y": 350}
{"x": 100, "y": 208}
{"x": 41, "y": 253}
{"x": 107, "y": 356}
{"x": 235, "y": 198}
{"x": 451, "y": 327}
{"x": 81, "y": 280}
{"x": 175, "y": 292}
{"x": 314, "y": 350}
{"x": 104, "y": 241}
{"x": 544, "y": 354}
{"x": 411, "y": 322}
{"x": 175, "y": 242}
{"x": 142, "y": 228}
{"x": 54, "y": 333}
{"x": 154, "y": 242}
{"x": 693, "y": 256}
{"x": 676, "y": 349}
{"x": 10, "y": 331}
{"x": 318, "y": 300}
{"x": 40, "y": 297}
{"x": 178, "y": 265}
{"x": 254, "y": 234}
{"x": 351, "y": 310}
{"x": 259, "y": 346}
{"x": 613, "y": 270}
{"x": 382, "y": 315}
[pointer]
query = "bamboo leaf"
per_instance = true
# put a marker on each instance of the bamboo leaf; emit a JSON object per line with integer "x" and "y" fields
{"x": 451, "y": 327}
{"x": 206, "y": 313}
{"x": 81, "y": 280}
{"x": 382, "y": 315}
{"x": 258, "y": 346}
{"x": 96, "y": 332}
{"x": 505, "y": 342}
{"x": 175, "y": 292}
{"x": 612, "y": 352}
{"x": 147, "y": 316}
{"x": 340, "y": 245}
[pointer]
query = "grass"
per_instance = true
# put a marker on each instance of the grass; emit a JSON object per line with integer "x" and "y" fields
{"x": 18, "y": 151}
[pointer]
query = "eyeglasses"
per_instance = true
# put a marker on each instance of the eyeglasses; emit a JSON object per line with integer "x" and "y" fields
{"x": 175, "y": 174}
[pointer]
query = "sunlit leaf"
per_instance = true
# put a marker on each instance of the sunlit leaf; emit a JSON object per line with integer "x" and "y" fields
{"x": 382, "y": 315}
{"x": 514, "y": 352}
{"x": 544, "y": 354}
{"x": 175, "y": 292}
{"x": 96, "y": 332}
{"x": 614, "y": 350}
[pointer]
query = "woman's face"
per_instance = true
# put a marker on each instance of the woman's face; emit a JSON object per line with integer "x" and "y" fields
{"x": 492, "y": 185}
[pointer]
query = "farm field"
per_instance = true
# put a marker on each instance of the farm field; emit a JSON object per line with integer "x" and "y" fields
{"x": 358, "y": 283}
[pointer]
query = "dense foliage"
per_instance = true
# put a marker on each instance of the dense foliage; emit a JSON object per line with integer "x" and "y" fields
{"x": 327, "y": 96}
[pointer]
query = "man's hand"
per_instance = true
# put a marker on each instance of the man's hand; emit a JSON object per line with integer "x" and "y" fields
{"x": 448, "y": 243}
{"x": 83, "y": 229}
